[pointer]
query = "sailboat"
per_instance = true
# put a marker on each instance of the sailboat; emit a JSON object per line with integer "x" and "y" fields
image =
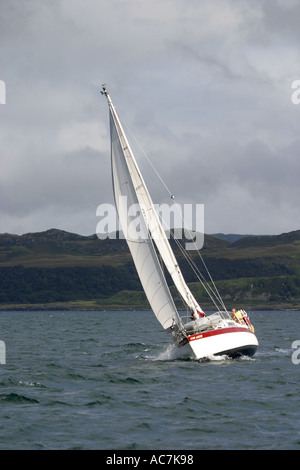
{"x": 205, "y": 335}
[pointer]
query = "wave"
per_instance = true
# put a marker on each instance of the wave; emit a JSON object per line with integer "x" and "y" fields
{"x": 31, "y": 384}
{"x": 16, "y": 398}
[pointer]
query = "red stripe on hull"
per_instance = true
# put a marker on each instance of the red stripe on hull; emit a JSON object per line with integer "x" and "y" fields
{"x": 220, "y": 331}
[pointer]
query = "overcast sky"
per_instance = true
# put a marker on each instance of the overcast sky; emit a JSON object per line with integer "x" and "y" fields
{"x": 204, "y": 85}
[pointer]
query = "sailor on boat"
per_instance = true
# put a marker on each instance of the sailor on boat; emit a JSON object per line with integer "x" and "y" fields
{"x": 240, "y": 316}
{"x": 237, "y": 315}
{"x": 196, "y": 314}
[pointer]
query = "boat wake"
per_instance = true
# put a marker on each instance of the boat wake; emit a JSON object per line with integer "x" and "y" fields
{"x": 171, "y": 352}
{"x": 213, "y": 358}
{"x": 227, "y": 359}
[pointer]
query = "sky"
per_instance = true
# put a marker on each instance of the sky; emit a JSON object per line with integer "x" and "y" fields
{"x": 205, "y": 86}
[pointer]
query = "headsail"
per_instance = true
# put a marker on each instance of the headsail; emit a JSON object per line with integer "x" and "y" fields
{"x": 129, "y": 182}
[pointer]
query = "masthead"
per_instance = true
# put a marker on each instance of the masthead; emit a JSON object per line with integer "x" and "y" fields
{"x": 104, "y": 91}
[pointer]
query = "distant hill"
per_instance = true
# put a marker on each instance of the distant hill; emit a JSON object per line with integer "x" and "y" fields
{"x": 231, "y": 237}
{"x": 268, "y": 240}
{"x": 58, "y": 269}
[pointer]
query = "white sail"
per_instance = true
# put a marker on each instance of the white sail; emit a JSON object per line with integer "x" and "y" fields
{"x": 153, "y": 223}
{"x": 141, "y": 247}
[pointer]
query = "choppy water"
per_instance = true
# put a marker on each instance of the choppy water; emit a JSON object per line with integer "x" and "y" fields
{"x": 113, "y": 380}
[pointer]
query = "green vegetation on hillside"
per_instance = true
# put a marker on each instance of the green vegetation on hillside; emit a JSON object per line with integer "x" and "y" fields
{"x": 57, "y": 269}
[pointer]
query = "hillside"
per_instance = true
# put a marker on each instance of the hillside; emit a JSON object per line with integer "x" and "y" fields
{"x": 58, "y": 269}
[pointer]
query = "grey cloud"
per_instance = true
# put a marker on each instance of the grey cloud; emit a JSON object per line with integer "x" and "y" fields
{"x": 204, "y": 85}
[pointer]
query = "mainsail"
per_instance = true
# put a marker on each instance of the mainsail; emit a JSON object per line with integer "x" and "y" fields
{"x": 130, "y": 190}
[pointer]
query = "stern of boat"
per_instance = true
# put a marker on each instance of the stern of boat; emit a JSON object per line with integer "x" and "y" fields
{"x": 232, "y": 342}
{"x": 219, "y": 334}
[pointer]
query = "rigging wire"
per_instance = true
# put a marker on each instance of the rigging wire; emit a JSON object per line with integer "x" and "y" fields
{"x": 214, "y": 295}
{"x": 148, "y": 159}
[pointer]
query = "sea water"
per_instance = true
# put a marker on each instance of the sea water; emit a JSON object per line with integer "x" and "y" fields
{"x": 114, "y": 380}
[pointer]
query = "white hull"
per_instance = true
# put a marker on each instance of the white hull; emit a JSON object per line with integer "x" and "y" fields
{"x": 232, "y": 341}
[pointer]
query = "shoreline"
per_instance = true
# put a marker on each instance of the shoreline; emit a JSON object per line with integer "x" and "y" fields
{"x": 97, "y": 306}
